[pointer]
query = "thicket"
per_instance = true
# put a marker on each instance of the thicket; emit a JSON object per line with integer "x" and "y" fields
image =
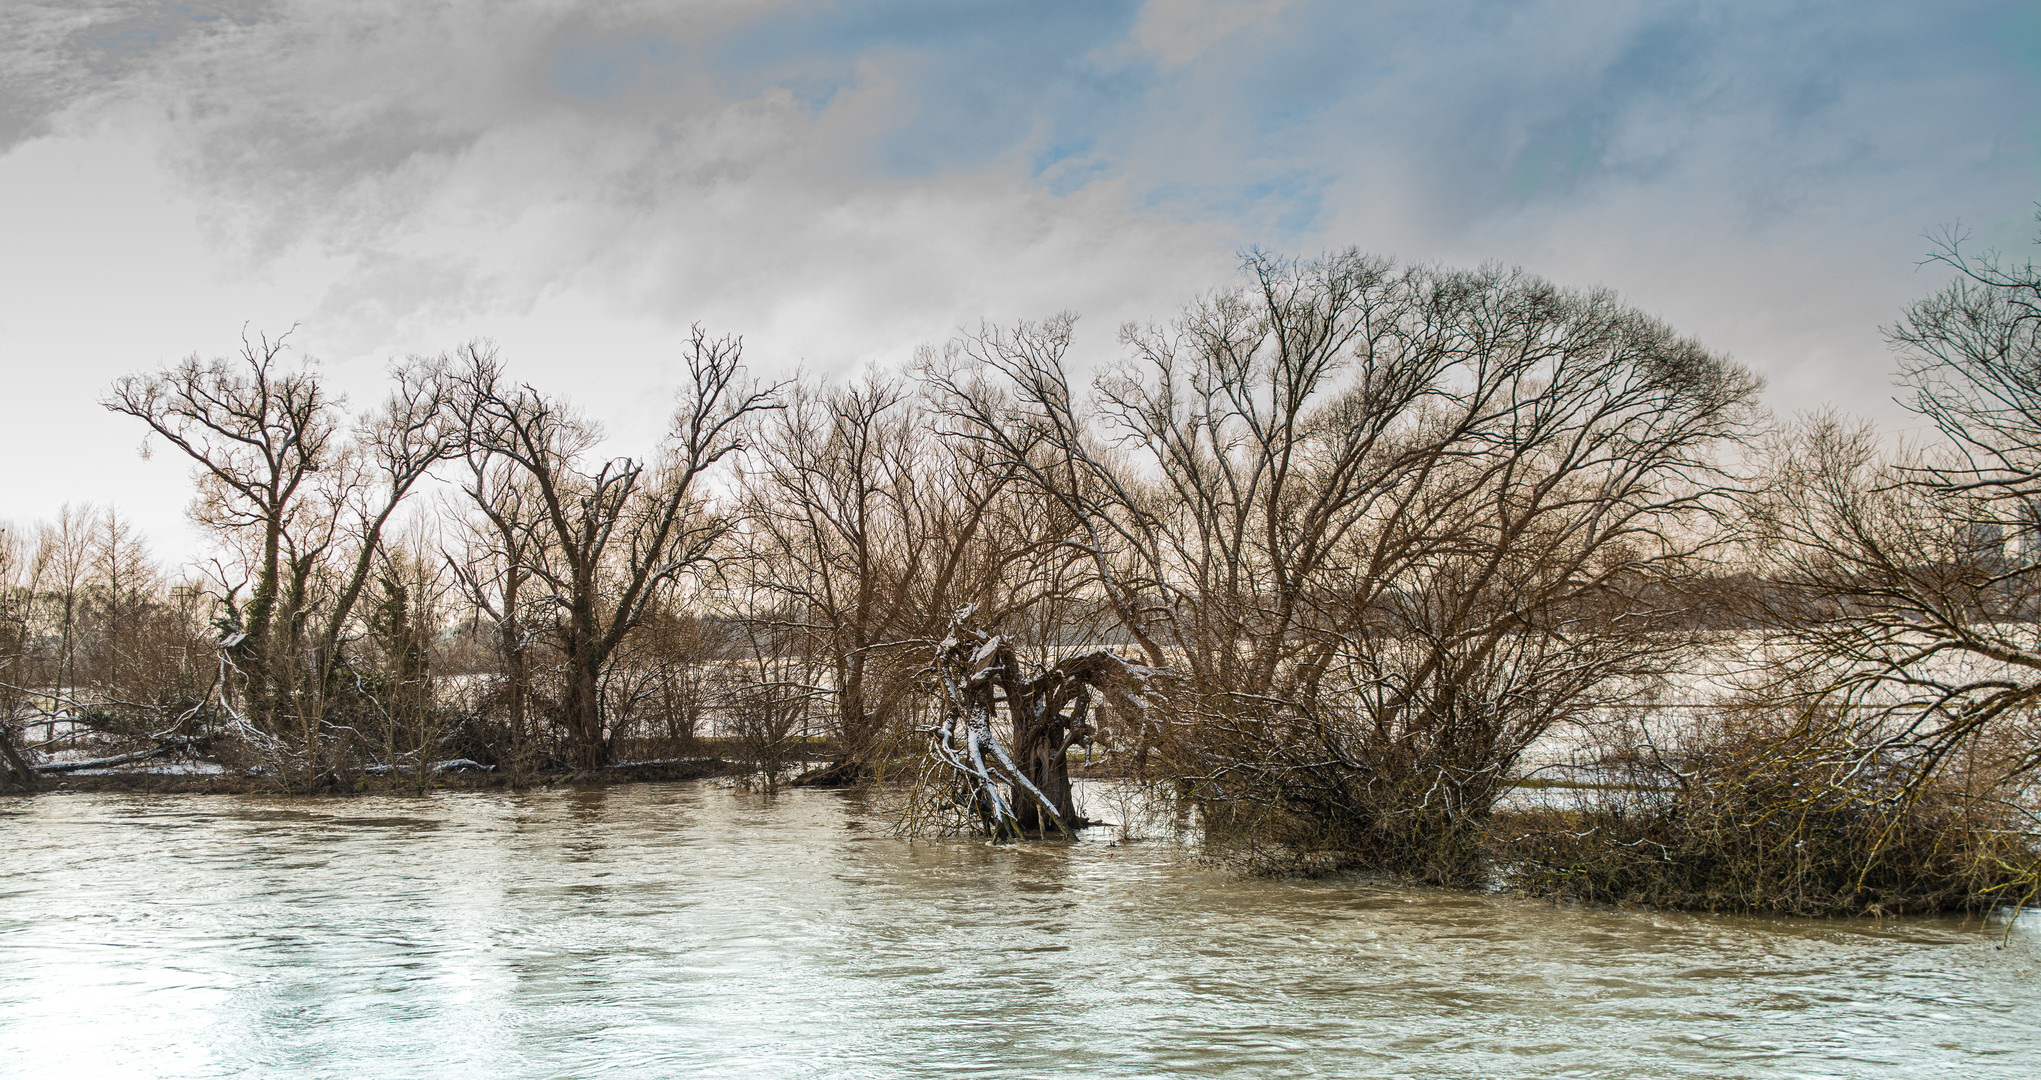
{"x": 1757, "y": 812}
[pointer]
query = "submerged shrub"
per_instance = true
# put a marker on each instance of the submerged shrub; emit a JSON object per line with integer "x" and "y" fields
{"x": 1763, "y": 814}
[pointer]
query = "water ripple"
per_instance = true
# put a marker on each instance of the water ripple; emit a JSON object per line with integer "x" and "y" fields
{"x": 668, "y": 930}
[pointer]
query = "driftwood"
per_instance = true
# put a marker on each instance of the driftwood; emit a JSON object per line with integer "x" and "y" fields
{"x": 450, "y": 765}
{"x": 108, "y": 762}
{"x": 165, "y": 744}
{"x": 1020, "y": 788}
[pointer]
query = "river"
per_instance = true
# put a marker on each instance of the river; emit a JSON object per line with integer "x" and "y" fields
{"x": 697, "y": 930}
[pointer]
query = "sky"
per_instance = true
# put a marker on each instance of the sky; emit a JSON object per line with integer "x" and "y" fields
{"x": 839, "y": 182}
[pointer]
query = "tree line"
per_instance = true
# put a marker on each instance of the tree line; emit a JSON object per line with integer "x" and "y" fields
{"x": 1322, "y": 558}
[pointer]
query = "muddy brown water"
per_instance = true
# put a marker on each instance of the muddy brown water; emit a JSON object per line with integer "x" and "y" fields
{"x": 696, "y": 930}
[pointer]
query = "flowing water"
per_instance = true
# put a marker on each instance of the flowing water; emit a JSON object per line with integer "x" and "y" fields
{"x": 695, "y": 930}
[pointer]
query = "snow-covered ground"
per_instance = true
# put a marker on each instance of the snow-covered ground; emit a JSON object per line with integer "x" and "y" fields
{"x": 159, "y": 768}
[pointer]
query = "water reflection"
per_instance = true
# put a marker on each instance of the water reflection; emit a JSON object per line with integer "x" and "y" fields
{"x": 695, "y": 930}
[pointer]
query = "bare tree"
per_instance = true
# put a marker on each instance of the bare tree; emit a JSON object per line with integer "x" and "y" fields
{"x": 1904, "y": 581}
{"x": 492, "y": 564}
{"x": 304, "y": 504}
{"x": 865, "y": 532}
{"x": 830, "y": 547}
{"x": 769, "y": 695}
{"x": 65, "y": 548}
{"x": 125, "y": 586}
{"x": 606, "y": 542}
{"x": 664, "y": 687}
{"x": 406, "y": 612}
{"x": 1386, "y": 525}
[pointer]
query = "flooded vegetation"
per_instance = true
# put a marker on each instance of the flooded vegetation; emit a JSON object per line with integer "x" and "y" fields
{"x": 1331, "y": 562}
{"x": 698, "y": 929}
{"x": 1331, "y": 575}
{"x": 1154, "y": 538}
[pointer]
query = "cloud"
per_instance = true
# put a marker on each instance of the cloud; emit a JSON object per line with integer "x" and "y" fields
{"x": 363, "y": 129}
{"x": 478, "y": 157}
{"x": 841, "y": 182}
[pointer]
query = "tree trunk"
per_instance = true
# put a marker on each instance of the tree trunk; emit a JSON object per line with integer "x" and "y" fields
{"x": 1042, "y": 758}
{"x": 514, "y": 668}
{"x": 588, "y": 749}
{"x": 857, "y": 727}
{"x": 13, "y": 768}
